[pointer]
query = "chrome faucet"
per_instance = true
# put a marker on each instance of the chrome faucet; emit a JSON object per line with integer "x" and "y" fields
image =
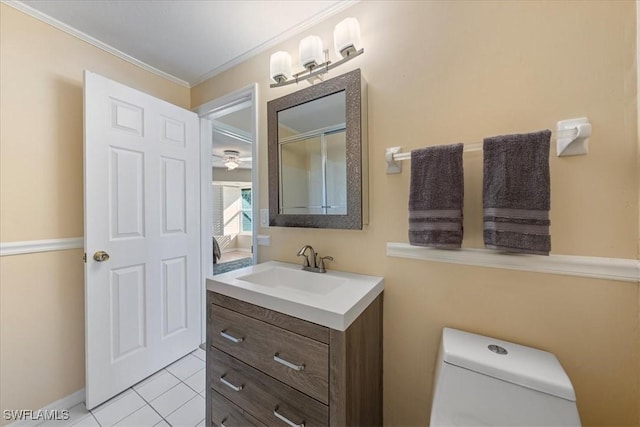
{"x": 313, "y": 264}
{"x": 306, "y": 262}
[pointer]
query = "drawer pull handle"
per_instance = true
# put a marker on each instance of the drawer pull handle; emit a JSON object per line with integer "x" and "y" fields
{"x": 285, "y": 419}
{"x": 231, "y": 386}
{"x": 287, "y": 363}
{"x": 231, "y": 337}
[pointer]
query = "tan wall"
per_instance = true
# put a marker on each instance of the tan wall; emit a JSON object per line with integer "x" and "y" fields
{"x": 638, "y": 97}
{"x": 42, "y": 315}
{"x": 638, "y": 154}
{"x": 442, "y": 72}
{"x": 437, "y": 73}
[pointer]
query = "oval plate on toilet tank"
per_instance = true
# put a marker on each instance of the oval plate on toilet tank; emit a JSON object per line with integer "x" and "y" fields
{"x": 497, "y": 349}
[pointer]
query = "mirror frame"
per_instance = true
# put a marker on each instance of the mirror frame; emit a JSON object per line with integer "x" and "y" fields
{"x": 355, "y": 97}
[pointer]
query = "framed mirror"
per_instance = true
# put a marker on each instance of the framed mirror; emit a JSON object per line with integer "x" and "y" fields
{"x": 317, "y": 155}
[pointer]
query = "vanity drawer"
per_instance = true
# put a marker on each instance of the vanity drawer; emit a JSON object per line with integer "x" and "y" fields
{"x": 262, "y": 396}
{"x": 290, "y": 323}
{"x": 298, "y": 361}
{"x": 226, "y": 414}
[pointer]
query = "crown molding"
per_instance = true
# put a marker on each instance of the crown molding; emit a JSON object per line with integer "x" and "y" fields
{"x": 338, "y": 7}
{"x": 619, "y": 269}
{"x": 91, "y": 40}
{"x": 316, "y": 19}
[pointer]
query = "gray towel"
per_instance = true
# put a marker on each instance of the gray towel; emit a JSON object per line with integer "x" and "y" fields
{"x": 516, "y": 193}
{"x": 436, "y": 196}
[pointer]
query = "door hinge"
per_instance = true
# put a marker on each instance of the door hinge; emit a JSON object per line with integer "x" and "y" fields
{"x": 84, "y": 257}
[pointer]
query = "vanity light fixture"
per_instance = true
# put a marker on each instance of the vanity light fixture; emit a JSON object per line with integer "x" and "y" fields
{"x": 231, "y": 159}
{"x": 310, "y": 52}
{"x": 281, "y": 66}
{"x": 315, "y": 59}
{"x": 346, "y": 37}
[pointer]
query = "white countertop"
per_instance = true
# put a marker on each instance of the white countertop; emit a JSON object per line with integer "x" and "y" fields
{"x": 335, "y": 299}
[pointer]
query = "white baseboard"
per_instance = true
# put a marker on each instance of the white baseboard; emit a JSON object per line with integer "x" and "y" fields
{"x": 65, "y": 403}
{"x": 620, "y": 269}
{"x": 35, "y": 246}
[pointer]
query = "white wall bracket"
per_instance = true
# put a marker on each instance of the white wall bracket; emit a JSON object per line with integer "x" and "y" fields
{"x": 572, "y": 137}
{"x": 393, "y": 166}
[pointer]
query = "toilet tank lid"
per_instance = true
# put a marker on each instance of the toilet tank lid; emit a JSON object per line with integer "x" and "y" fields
{"x": 521, "y": 365}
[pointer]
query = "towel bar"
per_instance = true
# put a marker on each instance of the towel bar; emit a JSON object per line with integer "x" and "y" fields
{"x": 569, "y": 134}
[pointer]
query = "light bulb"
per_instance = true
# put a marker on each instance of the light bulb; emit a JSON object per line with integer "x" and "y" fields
{"x": 310, "y": 51}
{"x": 280, "y": 66}
{"x": 346, "y": 37}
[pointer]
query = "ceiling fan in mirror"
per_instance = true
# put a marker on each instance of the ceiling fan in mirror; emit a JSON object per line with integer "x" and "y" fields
{"x": 231, "y": 159}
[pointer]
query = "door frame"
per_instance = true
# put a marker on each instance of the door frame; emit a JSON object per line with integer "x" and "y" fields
{"x": 248, "y": 93}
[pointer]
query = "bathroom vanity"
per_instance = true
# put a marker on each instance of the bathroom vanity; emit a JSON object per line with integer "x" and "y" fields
{"x": 286, "y": 347}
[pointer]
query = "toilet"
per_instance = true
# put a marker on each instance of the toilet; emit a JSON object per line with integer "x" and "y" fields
{"x": 482, "y": 381}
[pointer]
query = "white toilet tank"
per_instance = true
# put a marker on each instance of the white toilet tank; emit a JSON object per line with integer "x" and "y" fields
{"x": 481, "y": 381}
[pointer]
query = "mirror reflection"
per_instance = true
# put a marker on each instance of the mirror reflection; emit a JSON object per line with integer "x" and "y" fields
{"x": 318, "y": 155}
{"x": 312, "y": 156}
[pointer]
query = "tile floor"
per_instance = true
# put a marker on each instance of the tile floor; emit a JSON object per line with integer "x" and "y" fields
{"x": 173, "y": 396}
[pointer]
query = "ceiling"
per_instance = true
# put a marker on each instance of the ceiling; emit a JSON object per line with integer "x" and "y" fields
{"x": 188, "y": 41}
{"x": 232, "y": 131}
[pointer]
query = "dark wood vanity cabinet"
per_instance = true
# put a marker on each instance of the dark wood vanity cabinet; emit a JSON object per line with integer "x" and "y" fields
{"x": 266, "y": 368}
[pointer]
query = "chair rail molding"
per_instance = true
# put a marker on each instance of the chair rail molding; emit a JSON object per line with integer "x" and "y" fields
{"x": 35, "y": 246}
{"x": 619, "y": 269}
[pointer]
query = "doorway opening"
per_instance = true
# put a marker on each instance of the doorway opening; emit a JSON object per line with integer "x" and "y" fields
{"x": 232, "y": 225}
{"x": 229, "y": 178}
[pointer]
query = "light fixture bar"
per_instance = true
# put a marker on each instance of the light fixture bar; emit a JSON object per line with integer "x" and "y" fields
{"x": 319, "y": 70}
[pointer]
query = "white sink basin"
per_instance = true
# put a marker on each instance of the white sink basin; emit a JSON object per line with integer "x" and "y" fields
{"x": 295, "y": 280}
{"x": 333, "y": 299}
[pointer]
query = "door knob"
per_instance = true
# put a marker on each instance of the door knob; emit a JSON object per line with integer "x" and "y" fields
{"x": 101, "y": 256}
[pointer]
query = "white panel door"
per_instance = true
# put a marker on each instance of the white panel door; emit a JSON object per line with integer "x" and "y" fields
{"x": 142, "y": 207}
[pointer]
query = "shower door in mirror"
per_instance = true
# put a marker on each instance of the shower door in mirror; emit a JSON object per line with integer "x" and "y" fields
{"x": 313, "y": 173}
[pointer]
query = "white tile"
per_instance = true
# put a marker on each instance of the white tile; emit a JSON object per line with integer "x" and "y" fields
{"x": 201, "y": 424}
{"x": 144, "y": 416}
{"x": 76, "y": 414}
{"x": 186, "y": 367}
{"x": 173, "y": 399}
{"x": 162, "y": 423}
{"x": 150, "y": 378}
{"x": 118, "y": 408}
{"x": 188, "y": 415}
{"x": 196, "y": 381}
{"x": 200, "y": 354}
{"x": 155, "y": 385}
{"x": 89, "y": 421}
{"x": 49, "y": 423}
